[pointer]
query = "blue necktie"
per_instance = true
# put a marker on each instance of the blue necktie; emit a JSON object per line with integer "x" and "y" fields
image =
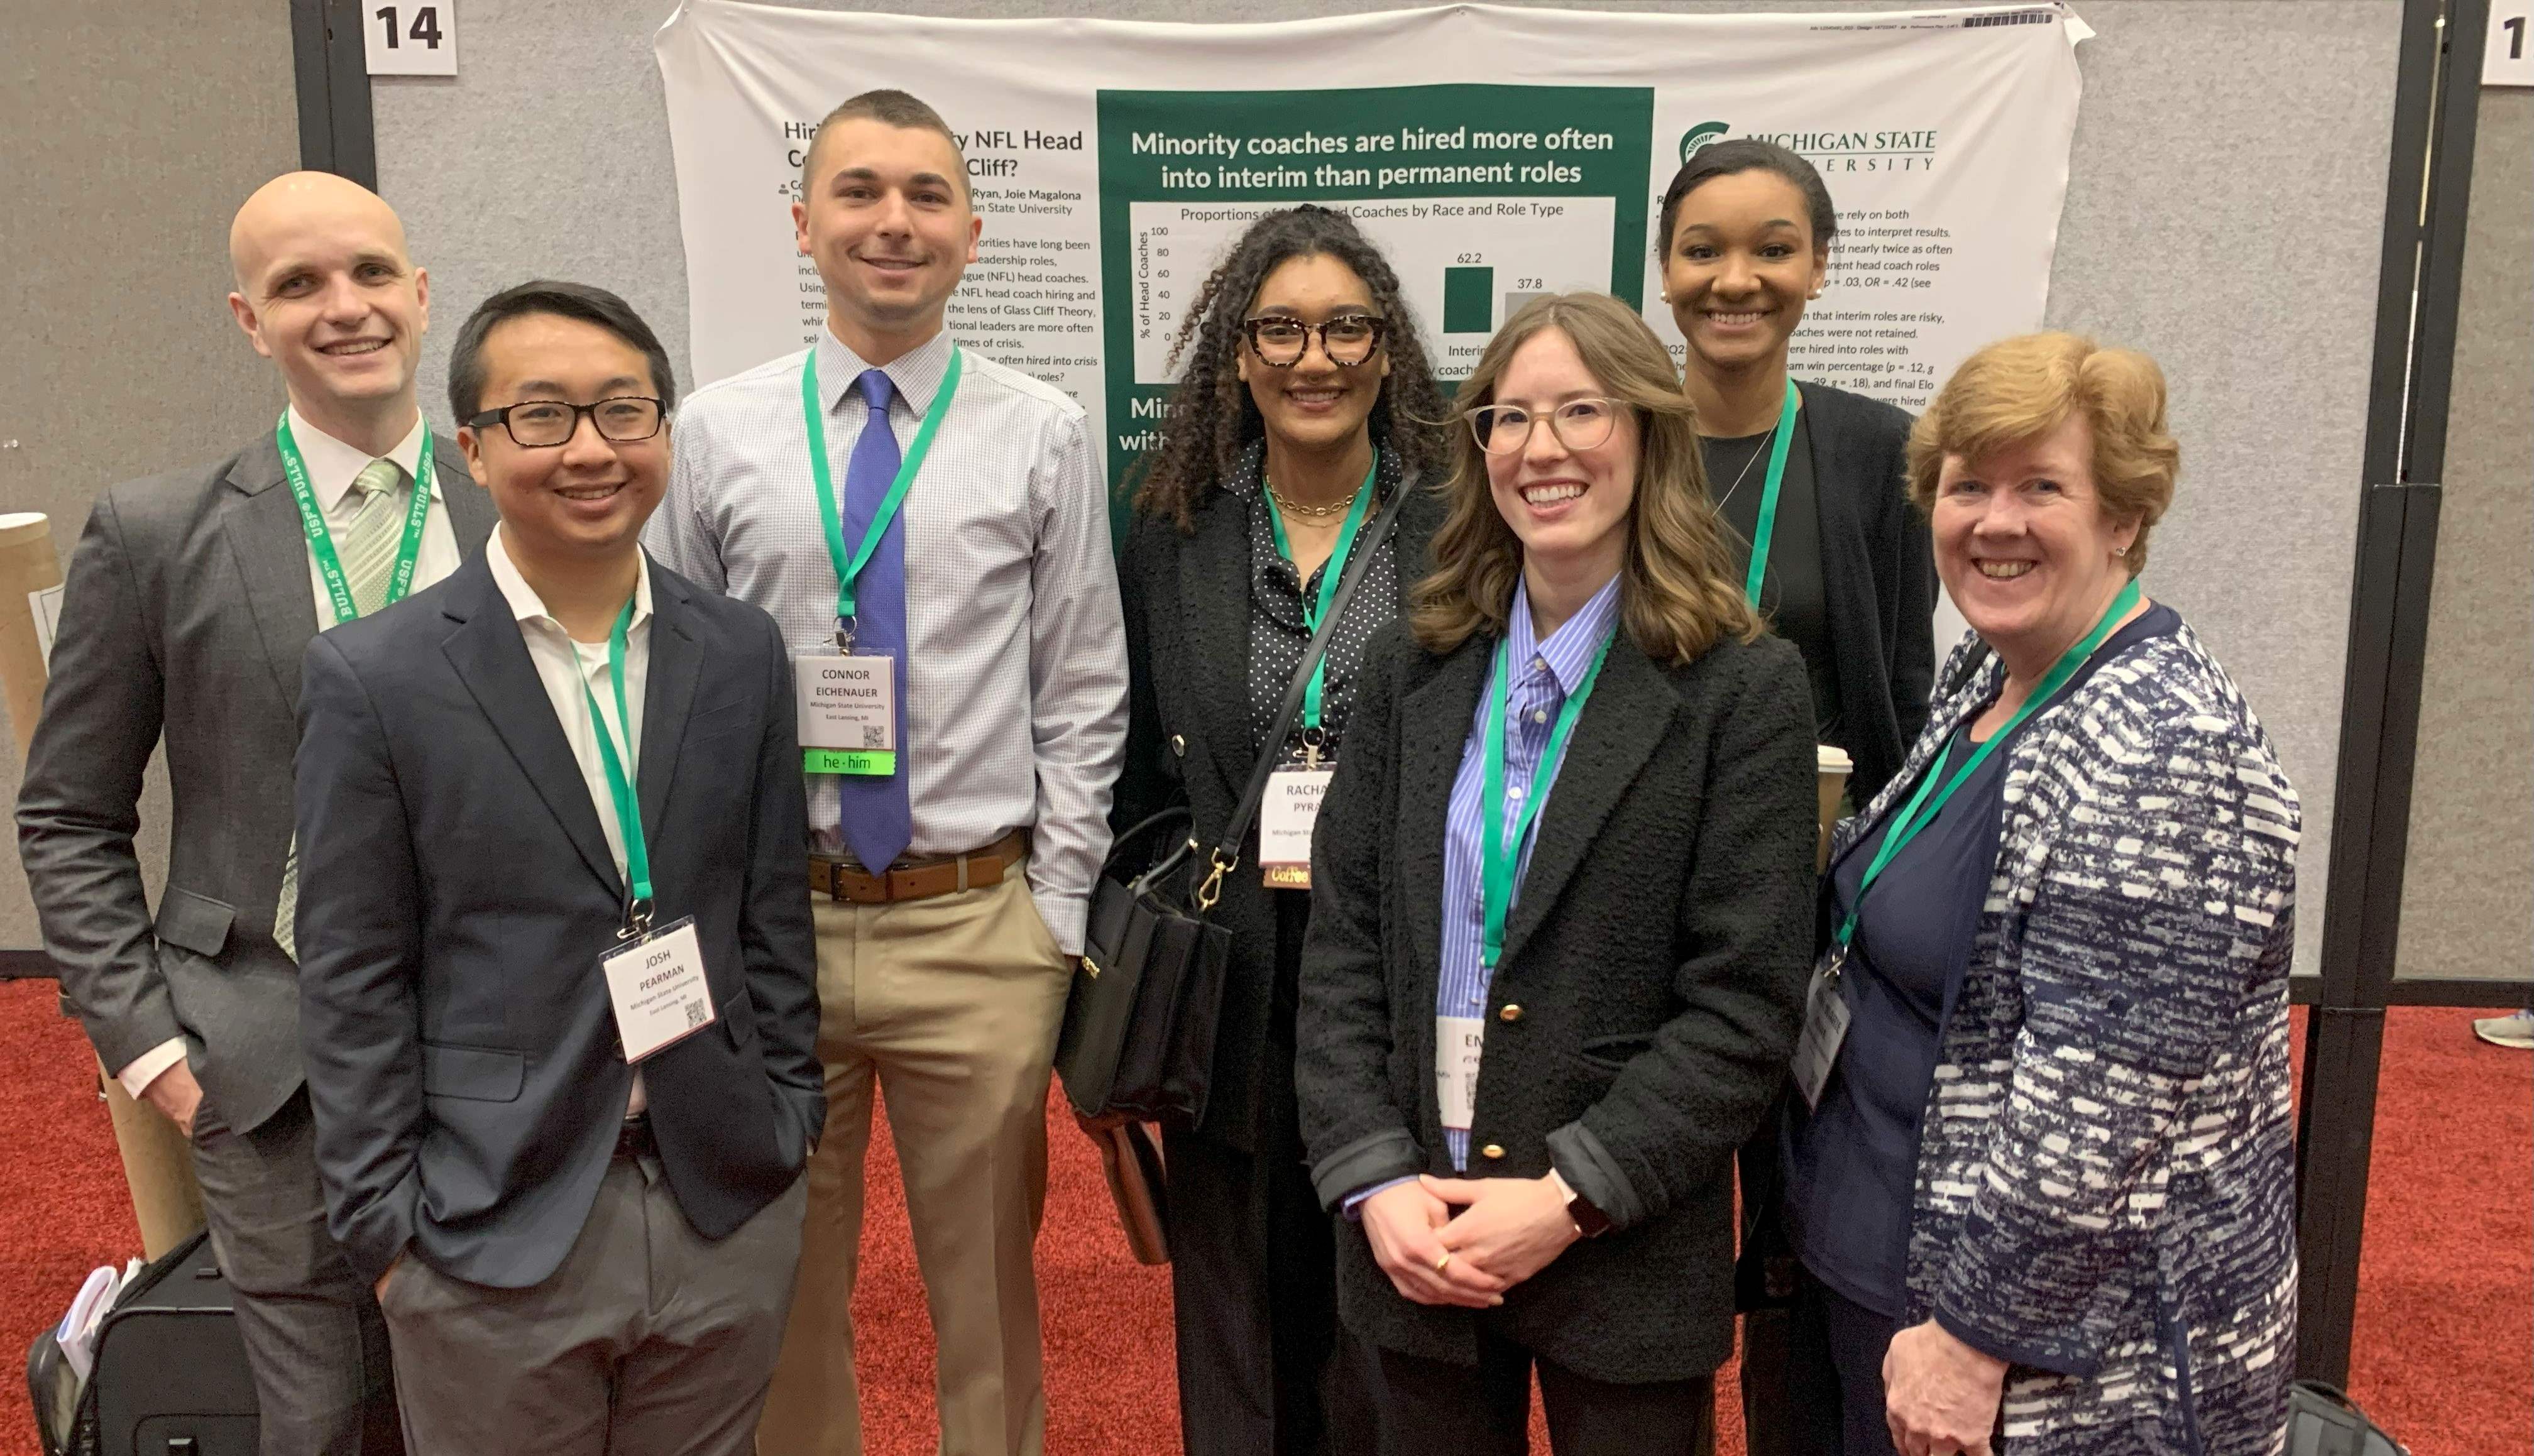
{"x": 876, "y": 820}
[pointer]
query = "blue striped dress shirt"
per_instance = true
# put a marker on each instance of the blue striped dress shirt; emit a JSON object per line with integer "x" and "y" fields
{"x": 1544, "y": 674}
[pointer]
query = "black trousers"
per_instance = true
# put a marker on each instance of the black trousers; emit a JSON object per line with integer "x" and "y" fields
{"x": 1435, "y": 1408}
{"x": 1835, "y": 1350}
{"x": 1264, "y": 1368}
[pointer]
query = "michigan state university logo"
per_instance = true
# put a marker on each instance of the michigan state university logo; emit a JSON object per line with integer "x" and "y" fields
{"x": 1699, "y": 136}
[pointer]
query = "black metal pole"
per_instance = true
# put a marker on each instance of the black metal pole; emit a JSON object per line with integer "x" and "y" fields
{"x": 332, "y": 73}
{"x": 2427, "y": 196}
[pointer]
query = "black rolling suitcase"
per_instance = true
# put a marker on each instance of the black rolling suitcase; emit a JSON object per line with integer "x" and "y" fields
{"x": 170, "y": 1375}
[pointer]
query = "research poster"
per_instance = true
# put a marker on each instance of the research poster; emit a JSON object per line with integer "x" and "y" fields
{"x": 1494, "y": 152}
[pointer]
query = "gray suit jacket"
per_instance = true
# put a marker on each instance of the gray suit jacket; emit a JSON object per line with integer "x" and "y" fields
{"x": 456, "y": 895}
{"x": 185, "y": 614}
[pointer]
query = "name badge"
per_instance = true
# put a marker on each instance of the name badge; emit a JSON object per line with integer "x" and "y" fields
{"x": 1826, "y": 1017}
{"x": 657, "y": 981}
{"x": 847, "y": 714}
{"x": 1458, "y": 1043}
{"x": 1285, "y": 819}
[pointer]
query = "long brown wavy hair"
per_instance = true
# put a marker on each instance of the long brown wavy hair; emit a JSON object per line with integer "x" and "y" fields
{"x": 1678, "y": 594}
{"x": 1211, "y": 418}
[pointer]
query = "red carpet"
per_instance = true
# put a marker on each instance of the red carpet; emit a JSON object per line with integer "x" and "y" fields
{"x": 2445, "y": 1308}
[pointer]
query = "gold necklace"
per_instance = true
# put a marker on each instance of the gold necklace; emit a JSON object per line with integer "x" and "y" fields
{"x": 1308, "y": 513}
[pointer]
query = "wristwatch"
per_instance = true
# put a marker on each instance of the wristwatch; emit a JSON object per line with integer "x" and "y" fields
{"x": 1590, "y": 1221}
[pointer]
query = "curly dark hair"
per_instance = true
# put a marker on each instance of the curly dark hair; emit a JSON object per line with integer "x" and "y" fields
{"x": 1211, "y": 419}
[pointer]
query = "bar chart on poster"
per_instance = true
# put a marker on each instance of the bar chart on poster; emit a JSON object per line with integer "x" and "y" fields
{"x": 1465, "y": 265}
{"x": 1477, "y": 195}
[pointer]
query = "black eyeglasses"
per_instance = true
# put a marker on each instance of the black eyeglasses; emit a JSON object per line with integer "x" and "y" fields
{"x": 1348, "y": 339}
{"x": 542, "y": 424}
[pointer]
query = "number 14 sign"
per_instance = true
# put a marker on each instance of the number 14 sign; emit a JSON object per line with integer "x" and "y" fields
{"x": 412, "y": 39}
{"x": 2508, "y": 59}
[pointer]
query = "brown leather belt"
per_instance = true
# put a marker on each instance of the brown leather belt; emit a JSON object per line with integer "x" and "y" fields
{"x": 920, "y": 880}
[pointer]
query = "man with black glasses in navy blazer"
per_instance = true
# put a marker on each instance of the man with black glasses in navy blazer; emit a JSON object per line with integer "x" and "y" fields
{"x": 558, "y": 1000}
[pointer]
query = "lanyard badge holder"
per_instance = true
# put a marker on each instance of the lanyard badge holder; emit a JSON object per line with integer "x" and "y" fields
{"x": 1291, "y": 812}
{"x": 847, "y": 702}
{"x": 1826, "y": 1009}
{"x": 321, "y": 541}
{"x": 655, "y": 975}
{"x": 1460, "y": 1041}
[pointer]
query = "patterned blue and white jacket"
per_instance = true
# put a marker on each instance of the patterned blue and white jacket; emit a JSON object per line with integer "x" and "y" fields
{"x": 2104, "y": 1172}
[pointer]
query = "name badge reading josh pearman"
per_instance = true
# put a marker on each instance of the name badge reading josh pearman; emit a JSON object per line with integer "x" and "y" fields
{"x": 1286, "y": 820}
{"x": 848, "y": 713}
{"x": 657, "y": 981}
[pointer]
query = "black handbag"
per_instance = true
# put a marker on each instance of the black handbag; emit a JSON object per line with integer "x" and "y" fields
{"x": 1138, "y": 1037}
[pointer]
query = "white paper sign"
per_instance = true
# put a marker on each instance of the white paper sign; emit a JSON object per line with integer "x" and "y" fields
{"x": 2508, "y": 57}
{"x": 408, "y": 40}
{"x": 658, "y": 988}
{"x": 1491, "y": 151}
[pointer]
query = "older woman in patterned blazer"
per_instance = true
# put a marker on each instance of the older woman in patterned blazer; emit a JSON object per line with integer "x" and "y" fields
{"x": 2039, "y": 1179}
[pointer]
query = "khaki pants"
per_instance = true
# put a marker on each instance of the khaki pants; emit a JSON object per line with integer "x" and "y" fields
{"x": 952, "y": 1004}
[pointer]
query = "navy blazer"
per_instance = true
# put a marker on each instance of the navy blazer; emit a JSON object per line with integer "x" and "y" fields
{"x": 456, "y": 892}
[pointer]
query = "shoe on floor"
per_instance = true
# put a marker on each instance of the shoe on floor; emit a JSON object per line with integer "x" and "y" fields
{"x": 2517, "y": 1030}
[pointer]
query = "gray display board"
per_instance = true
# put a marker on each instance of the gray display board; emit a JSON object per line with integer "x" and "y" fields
{"x": 130, "y": 141}
{"x": 2225, "y": 213}
{"x": 2468, "y": 884}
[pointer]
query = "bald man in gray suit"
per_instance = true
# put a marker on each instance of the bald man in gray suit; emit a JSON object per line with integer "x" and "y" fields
{"x": 191, "y": 598}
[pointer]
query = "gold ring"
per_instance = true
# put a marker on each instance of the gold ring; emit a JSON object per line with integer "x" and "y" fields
{"x": 1441, "y": 1263}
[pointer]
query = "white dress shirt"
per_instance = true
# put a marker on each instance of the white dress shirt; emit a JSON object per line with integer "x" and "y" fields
{"x": 1016, "y": 660}
{"x": 574, "y": 673}
{"x": 333, "y": 466}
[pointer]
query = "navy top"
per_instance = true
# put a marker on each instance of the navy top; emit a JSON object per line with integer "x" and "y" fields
{"x": 1850, "y": 1166}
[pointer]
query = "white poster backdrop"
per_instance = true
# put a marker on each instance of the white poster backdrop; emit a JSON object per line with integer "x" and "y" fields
{"x": 1492, "y": 151}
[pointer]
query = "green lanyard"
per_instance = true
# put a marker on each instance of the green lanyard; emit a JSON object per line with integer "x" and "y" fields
{"x": 620, "y": 782}
{"x": 1921, "y": 810}
{"x": 1496, "y": 856}
{"x": 321, "y": 541}
{"x": 1778, "y": 444}
{"x": 1312, "y": 611}
{"x": 849, "y": 565}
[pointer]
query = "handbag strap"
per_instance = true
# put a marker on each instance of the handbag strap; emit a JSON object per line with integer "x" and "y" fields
{"x": 1226, "y": 851}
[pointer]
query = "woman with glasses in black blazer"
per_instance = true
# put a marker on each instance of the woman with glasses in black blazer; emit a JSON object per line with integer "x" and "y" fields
{"x": 1306, "y": 415}
{"x": 1563, "y": 880}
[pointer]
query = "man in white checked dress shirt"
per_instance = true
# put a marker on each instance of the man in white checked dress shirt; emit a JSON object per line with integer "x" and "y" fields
{"x": 190, "y": 599}
{"x": 957, "y": 830}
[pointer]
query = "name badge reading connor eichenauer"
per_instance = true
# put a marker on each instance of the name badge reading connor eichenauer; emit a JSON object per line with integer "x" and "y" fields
{"x": 1285, "y": 819}
{"x": 657, "y": 981}
{"x": 848, "y": 713}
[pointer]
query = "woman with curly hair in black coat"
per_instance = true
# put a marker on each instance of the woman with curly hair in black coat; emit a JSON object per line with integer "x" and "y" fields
{"x": 1308, "y": 413}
